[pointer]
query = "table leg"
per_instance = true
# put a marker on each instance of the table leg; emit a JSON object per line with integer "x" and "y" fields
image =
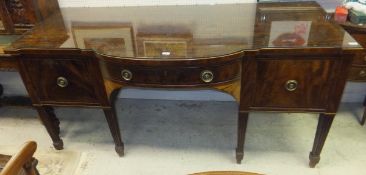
{"x": 242, "y": 127}
{"x": 324, "y": 124}
{"x": 52, "y": 124}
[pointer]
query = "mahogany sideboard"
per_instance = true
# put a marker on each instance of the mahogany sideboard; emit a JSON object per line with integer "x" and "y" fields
{"x": 277, "y": 57}
{"x": 358, "y": 70}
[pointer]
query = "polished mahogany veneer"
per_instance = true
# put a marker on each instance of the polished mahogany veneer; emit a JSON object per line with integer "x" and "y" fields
{"x": 281, "y": 57}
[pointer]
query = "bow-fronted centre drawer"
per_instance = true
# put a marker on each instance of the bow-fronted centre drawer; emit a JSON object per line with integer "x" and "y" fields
{"x": 357, "y": 73}
{"x": 171, "y": 75}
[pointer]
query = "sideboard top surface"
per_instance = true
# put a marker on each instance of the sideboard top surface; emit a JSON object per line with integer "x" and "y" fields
{"x": 189, "y": 31}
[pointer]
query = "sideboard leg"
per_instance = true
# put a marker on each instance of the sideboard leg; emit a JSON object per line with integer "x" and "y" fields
{"x": 1, "y": 94}
{"x": 363, "y": 119}
{"x": 242, "y": 127}
{"x": 324, "y": 124}
{"x": 114, "y": 128}
{"x": 1, "y": 90}
{"x": 111, "y": 116}
{"x": 52, "y": 124}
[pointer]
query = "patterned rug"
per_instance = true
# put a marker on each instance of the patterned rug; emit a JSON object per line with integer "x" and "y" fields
{"x": 52, "y": 162}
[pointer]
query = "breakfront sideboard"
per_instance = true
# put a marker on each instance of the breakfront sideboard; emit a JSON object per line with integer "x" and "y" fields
{"x": 278, "y": 57}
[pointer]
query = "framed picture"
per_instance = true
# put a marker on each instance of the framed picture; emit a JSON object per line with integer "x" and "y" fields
{"x": 164, "y": 45}
{"x": 106, "y": 38}
{"x": 218, "y": 46}
{"x": 291, "y": 25}
{"x": 289, "y": 33}
{"x": 6, "y": 40}
{"x": 1, "y": 25}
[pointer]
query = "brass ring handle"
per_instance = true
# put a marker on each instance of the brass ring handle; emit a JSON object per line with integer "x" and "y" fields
{"x": 62, "y": 82}
{"x": 126, "y": 74}
{"x": 207, "y": 76}
{"x": 362, "y": 73}
{"x": 291, "y": 85}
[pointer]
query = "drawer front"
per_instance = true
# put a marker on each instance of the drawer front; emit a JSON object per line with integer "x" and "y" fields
{"x": 57, "y": 81}
{"x": 8, "y": 63}
{"x": 359, "y": 59}
{"x": 357, "y": 73}
{"x": 359, "y": 37}
{"x": 172, "y": 75}
{"x": 292, "y": 83}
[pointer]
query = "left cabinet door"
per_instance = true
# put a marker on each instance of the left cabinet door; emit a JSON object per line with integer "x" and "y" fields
{"x": 61, "y": 81}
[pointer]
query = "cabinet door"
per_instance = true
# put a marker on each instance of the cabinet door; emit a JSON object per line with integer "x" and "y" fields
{"x": 292, "y": 83}
{"x": 56, "y": 81}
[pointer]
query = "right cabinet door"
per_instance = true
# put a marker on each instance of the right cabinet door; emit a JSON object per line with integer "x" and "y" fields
{"x": 292, "y": 83}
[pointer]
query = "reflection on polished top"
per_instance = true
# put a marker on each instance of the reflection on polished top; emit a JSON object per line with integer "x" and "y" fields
{"x": 186, "y": 31}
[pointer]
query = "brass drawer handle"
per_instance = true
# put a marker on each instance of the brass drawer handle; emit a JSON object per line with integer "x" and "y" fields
{"x": 291, "y": 85}
{"x": 62, "y": 82}
{"x": 207, "y": 76}
{"x": 126, "y": 74}
{"x": 362, "y": 73}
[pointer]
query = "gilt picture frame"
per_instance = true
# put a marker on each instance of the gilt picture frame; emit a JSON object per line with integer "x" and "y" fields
{"x": 115, "y": 39}
{"x": 164, "y": 45}
{"x": 218, "y": 46}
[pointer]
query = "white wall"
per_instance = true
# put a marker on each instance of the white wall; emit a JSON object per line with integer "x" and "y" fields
{"x": 202, "y": 21}
{"x": 112, "y": 3}
{"x": 329, "y": 5}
